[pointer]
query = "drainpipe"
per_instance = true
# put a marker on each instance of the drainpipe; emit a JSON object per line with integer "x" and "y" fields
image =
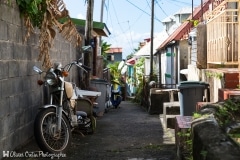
{"x": 160, "y": 68}
{"x": 178, "y": 62}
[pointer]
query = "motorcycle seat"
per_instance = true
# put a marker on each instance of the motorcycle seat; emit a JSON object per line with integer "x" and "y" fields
{"x": 81, "y": 113}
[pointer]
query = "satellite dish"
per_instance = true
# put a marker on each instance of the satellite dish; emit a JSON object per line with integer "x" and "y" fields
{"x": 121, "y": 65}
{"x": 124, "y": 69}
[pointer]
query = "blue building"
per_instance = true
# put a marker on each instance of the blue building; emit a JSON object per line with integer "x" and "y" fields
{"x": 114, "y": 55}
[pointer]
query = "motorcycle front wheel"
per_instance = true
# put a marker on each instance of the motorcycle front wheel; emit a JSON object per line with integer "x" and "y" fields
{"x": 47, "y": 138}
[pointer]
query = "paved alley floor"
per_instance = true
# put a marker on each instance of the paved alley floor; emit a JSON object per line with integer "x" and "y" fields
{"x": 127, "y": 133}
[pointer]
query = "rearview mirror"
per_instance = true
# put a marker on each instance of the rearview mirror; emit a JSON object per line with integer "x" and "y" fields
{"x": 36, "y": 69}
{"x": 87, "y": 48}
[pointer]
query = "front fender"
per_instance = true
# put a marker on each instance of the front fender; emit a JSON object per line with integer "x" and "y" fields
{"x": 52, "y": 106}
{"x": 48, "y": 106}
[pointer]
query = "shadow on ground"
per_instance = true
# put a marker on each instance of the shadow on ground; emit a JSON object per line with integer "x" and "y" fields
{"x": 127, "y": 133}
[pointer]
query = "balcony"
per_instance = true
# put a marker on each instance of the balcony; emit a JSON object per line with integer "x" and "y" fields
{"x": 222, "y": 35}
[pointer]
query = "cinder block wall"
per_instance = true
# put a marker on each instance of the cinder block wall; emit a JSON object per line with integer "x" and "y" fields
{"x": 20, "y": 96}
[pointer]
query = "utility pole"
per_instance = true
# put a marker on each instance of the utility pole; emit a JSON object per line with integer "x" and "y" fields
{"x": 151, "y": 49}
{"x": 238, "y": 42}
{"x": 202, "y": 10}
{"x": 88, "y": 57}
{"x": 101, "y": 20}
{"x": 192, "y": 10}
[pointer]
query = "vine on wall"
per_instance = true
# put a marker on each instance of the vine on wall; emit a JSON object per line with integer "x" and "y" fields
{"x": 46, "y": 15}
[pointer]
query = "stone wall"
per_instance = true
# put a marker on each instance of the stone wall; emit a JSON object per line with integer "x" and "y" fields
{"x": 210, "y": 142}
{"x": 20, "y": 96}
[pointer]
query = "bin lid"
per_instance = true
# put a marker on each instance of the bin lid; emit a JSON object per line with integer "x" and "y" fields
{"x": 192, "y": 84}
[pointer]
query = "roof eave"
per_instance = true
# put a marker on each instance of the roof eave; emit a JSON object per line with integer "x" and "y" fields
{"x": 99, "y": 28}
{"x": 185, "y": 27}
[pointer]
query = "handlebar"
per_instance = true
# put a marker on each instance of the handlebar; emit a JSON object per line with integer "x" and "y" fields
{"x": 78, "y": 64}
{"x": 86, "y": 67}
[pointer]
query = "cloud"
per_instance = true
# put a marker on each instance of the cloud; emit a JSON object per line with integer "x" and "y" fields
{"x": 81, "y": 16}
{"x": 128, "y": 41}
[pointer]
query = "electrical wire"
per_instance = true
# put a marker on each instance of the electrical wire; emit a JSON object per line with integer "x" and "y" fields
{"x": 120, "y": 25}
{"x": 112, "y": 38}
{"x": 142, "y": 10}
{"x": 128, "y": 37}
{"x": 181, "y": 3}
{"x": 161, "y": 9}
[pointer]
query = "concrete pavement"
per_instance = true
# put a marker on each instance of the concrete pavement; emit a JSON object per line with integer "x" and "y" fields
{"x": 127, "y": 133}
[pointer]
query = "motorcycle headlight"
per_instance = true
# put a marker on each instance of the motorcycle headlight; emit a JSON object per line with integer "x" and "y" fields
{"x": 51, "y": 78}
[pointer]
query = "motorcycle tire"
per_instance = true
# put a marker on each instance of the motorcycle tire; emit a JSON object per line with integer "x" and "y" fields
{"x": 93, "y": 125}
{"x": 44, "y": 126}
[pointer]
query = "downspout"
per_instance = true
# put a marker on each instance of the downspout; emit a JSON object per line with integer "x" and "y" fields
{"x": 160, "y": 68}
{"x": 178, "y": 62}
{"x": 94, "y": 65}
{"x": 172, "y": 65}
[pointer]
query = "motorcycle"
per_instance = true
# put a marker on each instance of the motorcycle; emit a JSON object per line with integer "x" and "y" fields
{"x": 68, "y": 109}
{"x": 116, "y": 97}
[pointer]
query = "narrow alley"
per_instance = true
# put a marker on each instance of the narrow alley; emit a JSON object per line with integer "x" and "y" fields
{"x": 127, "y": 133}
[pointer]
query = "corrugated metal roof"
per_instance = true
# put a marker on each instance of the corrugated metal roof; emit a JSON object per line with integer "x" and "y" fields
{"x": 145, "y": 50}
{"x": 186, "y": 26}
{"x": 168, "y": 19}
{"x": 185, "y": 10}
{"x": 114, "y": 50}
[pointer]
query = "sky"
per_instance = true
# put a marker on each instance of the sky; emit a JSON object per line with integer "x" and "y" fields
{"x": 129, "y": 21}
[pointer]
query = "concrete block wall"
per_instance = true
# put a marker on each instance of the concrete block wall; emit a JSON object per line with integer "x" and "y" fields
{"x": 20, "y": 96}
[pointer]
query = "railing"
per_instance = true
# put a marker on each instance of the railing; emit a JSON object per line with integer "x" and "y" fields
{"x": 222, "y": 32}
{"x": 106, "y": 74}
{"x": 146, "y": 88}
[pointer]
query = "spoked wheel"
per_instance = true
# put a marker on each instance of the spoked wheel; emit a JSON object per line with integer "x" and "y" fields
{"x": 48, "y": 139}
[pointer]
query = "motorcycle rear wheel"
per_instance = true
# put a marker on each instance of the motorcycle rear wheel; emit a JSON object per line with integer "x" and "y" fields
{"x": 44, "y": 126}
{"x": 93, "y": 125}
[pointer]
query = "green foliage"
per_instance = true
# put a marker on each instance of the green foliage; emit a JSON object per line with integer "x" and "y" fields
{"x": 130, "y": 56}
{"x": 214, "y": 74}
{"x": 139, "y": 68}
{"x": 9, "y": 2}
{"x": 139, "y": 92}
{"x": 186, "y": 144}
{"x": 228, "y": 112}
{"x": 196, "y": 115}
{"x": 133, "y": 52}
{"x": 115, "y": 73}
{"x": 34, "y": 9}
{"x": 104, "y": 48}
{"x": 204, "y": 154}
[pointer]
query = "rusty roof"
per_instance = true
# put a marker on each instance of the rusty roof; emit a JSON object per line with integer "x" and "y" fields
{"x": 185, "y": 28}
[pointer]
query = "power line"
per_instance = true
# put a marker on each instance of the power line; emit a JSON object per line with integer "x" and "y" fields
{"x": 109, "y": 16}
{"x": 121, "y": 28}
{"x": 130, "y": 36}
{"x": 181, "y": 2}
{"x": 176, "y": 2}
{"x": 161, "y": 9}
{"x": 142, "y": 10}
